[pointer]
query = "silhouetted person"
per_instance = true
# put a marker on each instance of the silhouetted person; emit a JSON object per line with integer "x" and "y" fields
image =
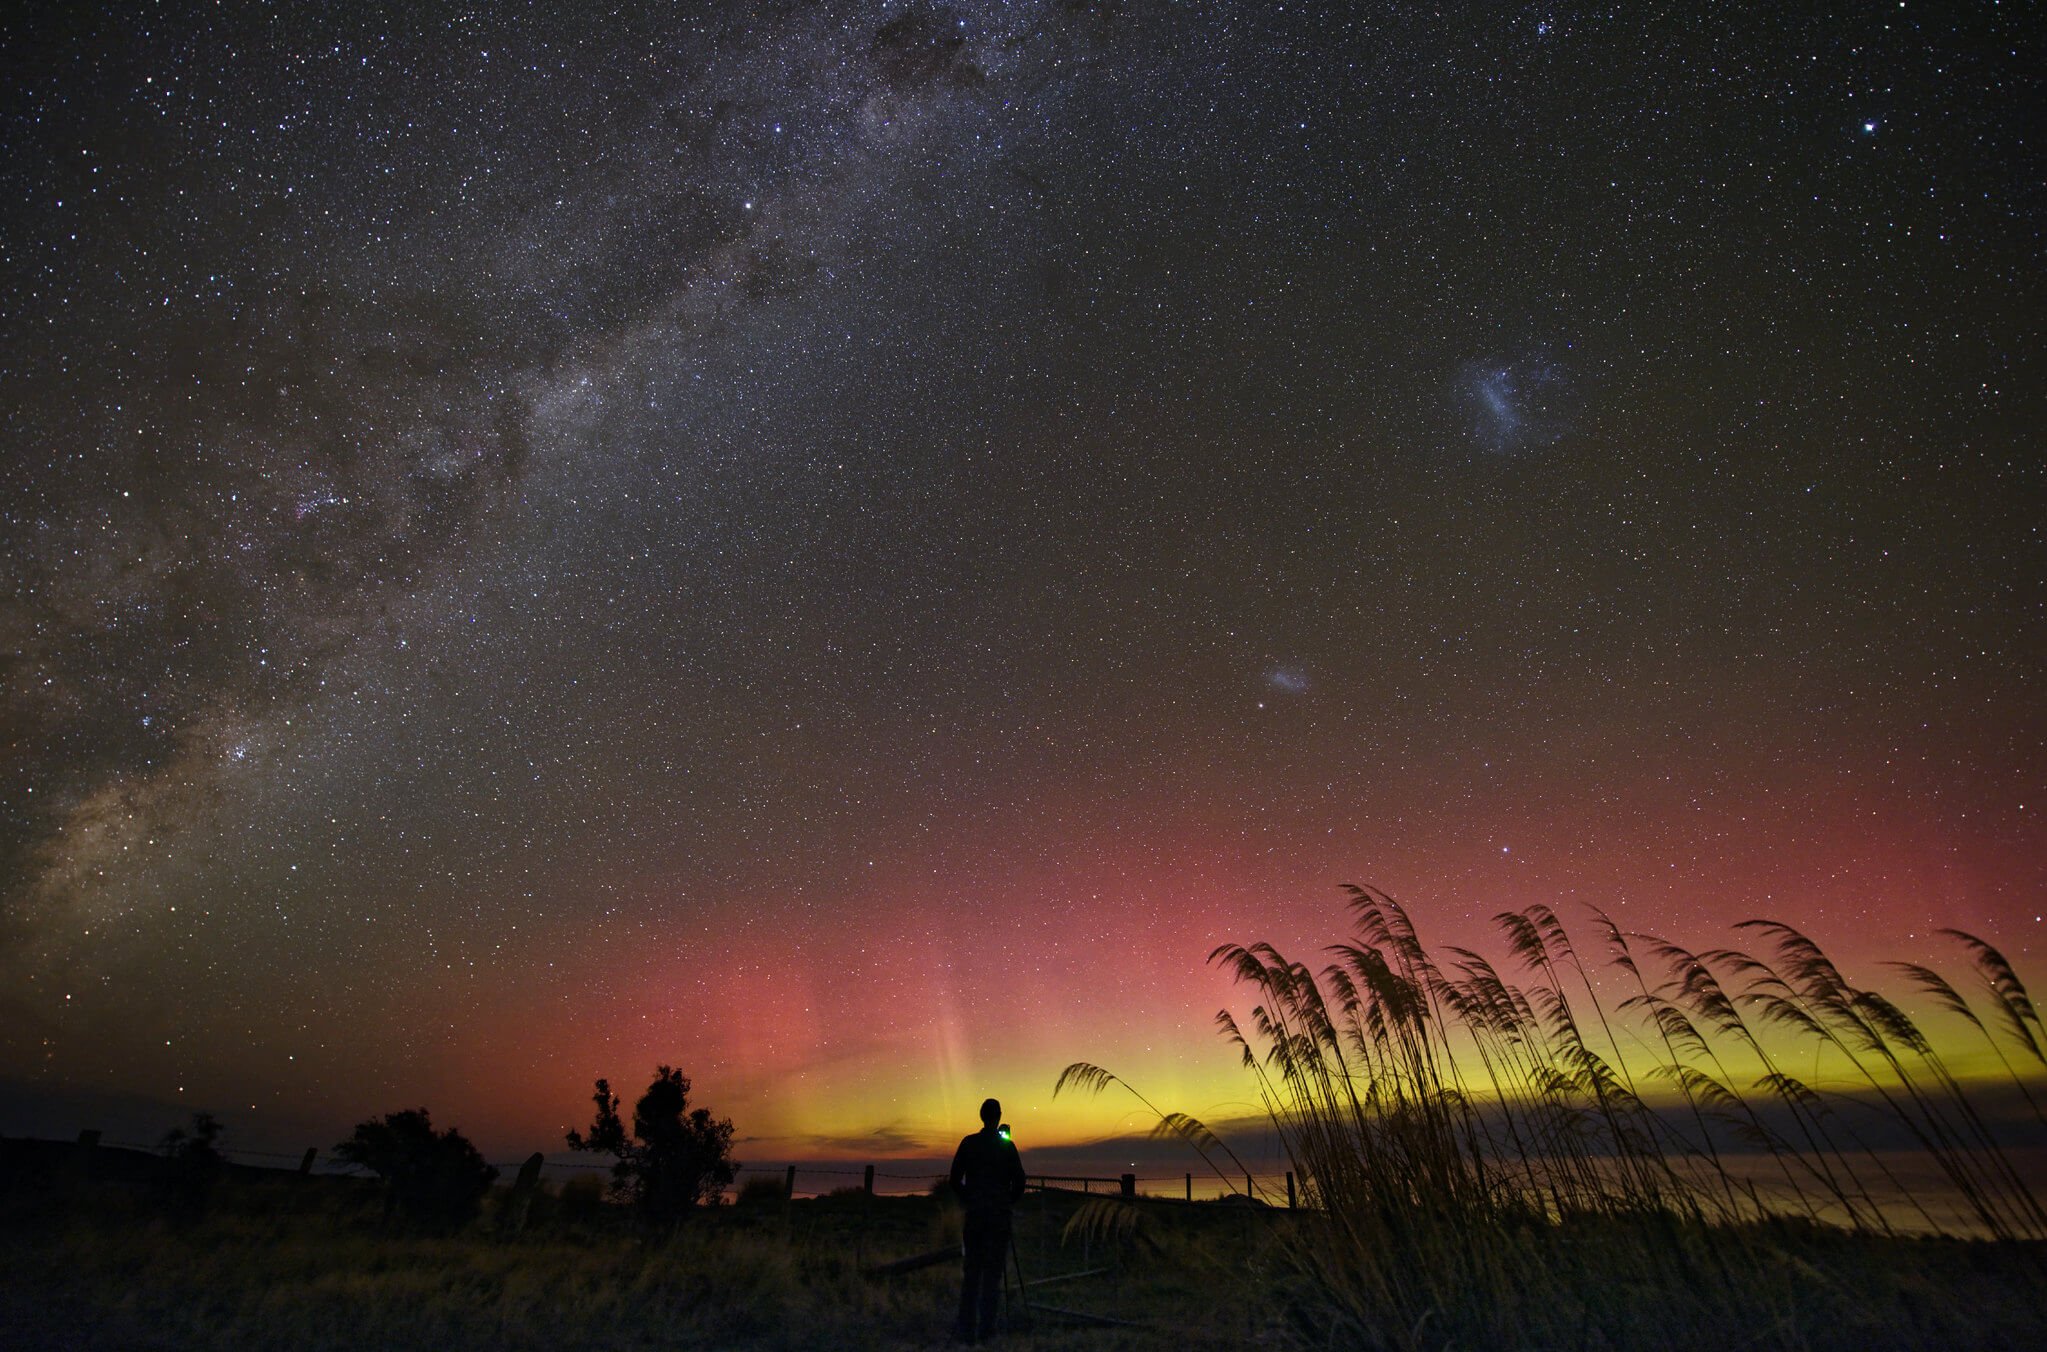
{"x": 987, "y": 1175}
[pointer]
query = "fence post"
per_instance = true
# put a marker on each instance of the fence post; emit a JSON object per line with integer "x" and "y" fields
{"x": 1190, "y": 1187}
{"x": 1129, "y": 1182}
{"x": 1248, "y": 1190}
{"x": 789, "y": 1185}
{"x": 1289, "y": 1190}
{"x": 306, "y": 1164}
{"x": 523, "y": 1189}
{"x": 868, "y": 1182}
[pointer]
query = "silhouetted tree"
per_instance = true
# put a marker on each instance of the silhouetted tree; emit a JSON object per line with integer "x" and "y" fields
{"x": 436, "y": 1177}
{"x": 676, "y": 1157}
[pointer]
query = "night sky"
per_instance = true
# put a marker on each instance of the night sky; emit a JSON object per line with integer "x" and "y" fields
{"x": 845, "y": 548}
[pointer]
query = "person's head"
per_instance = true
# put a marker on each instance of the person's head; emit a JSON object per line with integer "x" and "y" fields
{"x": 991, "y": 1112}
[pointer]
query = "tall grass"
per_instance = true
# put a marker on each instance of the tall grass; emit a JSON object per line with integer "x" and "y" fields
{"x": 1499, "y": 1160}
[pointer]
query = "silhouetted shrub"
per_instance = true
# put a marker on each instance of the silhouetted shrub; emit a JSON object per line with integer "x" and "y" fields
{"x": 196, "y": 1163}
{"x": 581, "y": 1199}
{"x": 762, "y": 1189}
{"x": 676, "y": 1158}
{"x": 433, "y": 1177}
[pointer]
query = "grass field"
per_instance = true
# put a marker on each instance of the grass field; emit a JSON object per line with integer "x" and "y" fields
{"x": 317, "y": 1265}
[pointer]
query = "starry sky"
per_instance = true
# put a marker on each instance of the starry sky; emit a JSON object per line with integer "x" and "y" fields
{"x": 846, "y": 547}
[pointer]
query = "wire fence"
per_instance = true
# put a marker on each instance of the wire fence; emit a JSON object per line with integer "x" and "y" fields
{"x": 1180, "y": 1187}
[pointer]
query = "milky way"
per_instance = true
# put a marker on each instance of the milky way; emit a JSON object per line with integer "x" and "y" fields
{"x": 845, "y": 548}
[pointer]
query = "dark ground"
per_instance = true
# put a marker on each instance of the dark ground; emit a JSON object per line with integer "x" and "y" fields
{"x": 262, "y": 1260}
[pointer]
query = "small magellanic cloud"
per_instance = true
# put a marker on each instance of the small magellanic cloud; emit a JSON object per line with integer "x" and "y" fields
{"x": 1288, "y": 680}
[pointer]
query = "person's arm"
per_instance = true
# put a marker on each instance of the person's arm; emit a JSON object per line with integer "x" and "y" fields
{"x": 959, "y": 1169}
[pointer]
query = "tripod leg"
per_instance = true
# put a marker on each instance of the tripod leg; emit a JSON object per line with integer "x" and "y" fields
{"x": 1023, "y": 1300}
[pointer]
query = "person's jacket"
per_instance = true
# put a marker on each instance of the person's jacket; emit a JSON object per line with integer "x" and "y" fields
{"x": 987, "y": 1173}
